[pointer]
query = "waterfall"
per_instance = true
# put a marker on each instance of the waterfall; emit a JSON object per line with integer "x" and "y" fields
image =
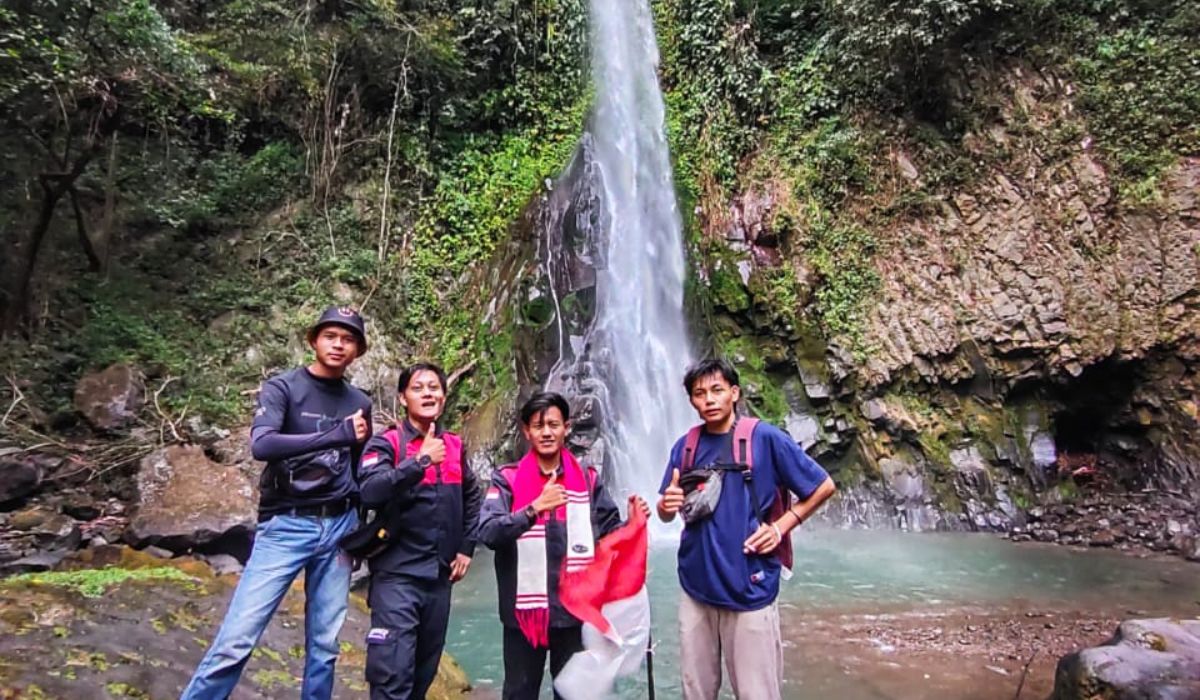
{"x": 629, "y": 363}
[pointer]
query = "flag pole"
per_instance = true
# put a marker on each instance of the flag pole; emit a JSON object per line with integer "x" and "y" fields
{"x": 650, "y": 665}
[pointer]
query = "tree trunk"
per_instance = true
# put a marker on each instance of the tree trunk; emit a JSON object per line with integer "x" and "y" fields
{"x": 54, "y": 186}
{"x": 18, "y": 293}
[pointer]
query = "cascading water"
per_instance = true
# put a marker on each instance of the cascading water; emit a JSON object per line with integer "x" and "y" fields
{"x": 628, "y": 365}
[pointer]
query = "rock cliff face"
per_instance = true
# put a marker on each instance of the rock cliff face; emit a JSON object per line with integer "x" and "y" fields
{"x": 1031, "y": 335}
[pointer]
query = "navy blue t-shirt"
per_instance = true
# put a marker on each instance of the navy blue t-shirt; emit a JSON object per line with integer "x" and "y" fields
{"x": 712, "y": 566}
{"x": 301, "y": 414}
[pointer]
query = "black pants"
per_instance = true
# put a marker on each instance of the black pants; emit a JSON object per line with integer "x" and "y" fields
{"x": 408, "y": 631}
{"x": 524, "y": 665}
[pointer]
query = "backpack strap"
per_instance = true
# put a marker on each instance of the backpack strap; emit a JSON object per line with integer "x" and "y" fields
{"x": 392, "y": 435}
{"x": 743, "y": 449}
{"x": 743, "y": 443}
{"x": 690, "y": 442}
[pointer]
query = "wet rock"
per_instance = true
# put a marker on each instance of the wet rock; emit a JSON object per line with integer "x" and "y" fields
{"x": 107, "y": 528}
{"x": 110, "y": 399}
{"x": 1191, "y": 549}
{"x": 42, "y": 560}
{"x": 223, "y": 564}
{"x": 203, "y": 433}
{"x": 1044, "y": 535}
{"x": 18, "y": 479}
{"x": 1103, "y": 538}
{"x": 187, "y": 501}
{"x": 234, "y": 448}
{"x": 29, "y": 518}
{"x": 892, "y": 418}
{"x": 1147, "y": 659}
{"x": 159, "y": 552}
{"x": 803, "y": 428}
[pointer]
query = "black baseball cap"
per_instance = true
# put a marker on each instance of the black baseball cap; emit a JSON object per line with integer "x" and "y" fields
{"x": 345, "y": 317}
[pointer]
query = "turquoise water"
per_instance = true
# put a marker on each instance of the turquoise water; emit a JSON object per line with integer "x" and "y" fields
{"x": 863, "y": 573}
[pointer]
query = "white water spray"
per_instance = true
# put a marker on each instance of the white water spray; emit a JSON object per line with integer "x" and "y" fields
{"x": 639, "y": 336}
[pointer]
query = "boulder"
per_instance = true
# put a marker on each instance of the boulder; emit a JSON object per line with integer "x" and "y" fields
{"x": 186, "y": 501}
{"x": 223, "y": 564}
{"x": 18, "y": 479}
{"x": 42, "y": 560}
{"x": 111, "y": 398}
{"x": 1146, "y": 660}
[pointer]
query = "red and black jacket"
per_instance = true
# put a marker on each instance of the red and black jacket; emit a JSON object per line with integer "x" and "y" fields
{"x": 435, "y": 509}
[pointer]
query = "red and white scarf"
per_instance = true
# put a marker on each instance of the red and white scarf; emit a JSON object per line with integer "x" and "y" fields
{"x": 533, "y": 599}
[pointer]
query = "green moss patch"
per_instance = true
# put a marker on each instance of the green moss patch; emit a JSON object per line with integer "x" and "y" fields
{"x": 92, "y": 583}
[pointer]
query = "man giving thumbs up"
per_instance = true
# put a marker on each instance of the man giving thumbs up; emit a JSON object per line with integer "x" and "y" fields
{"x": 309, "y": 427}
{"x": 414, "y": 473}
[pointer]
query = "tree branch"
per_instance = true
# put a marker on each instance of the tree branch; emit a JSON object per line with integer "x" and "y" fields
{"x": 85, "y": 241}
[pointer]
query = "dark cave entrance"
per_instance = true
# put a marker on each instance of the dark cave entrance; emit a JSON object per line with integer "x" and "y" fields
{"x": 1097, "y": 435}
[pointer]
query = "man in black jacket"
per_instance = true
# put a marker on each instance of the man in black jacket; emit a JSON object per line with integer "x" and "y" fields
{"x": 414, "y": 476}
{"x": 309, "y": 427}
{"x": 540, "y": 515}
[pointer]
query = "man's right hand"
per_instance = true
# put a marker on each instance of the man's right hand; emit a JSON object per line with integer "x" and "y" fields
{"x": 552, "y": 496}
{"x": 362, "y": 431}
{"x": 672, "y": 498}
{"x": 433, "y": 446}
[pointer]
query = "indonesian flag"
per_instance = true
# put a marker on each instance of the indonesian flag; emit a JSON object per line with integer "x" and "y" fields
{"x": 609, "y": 596}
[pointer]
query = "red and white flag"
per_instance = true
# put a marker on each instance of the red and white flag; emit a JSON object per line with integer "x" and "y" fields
{"x": 609, "y": 596}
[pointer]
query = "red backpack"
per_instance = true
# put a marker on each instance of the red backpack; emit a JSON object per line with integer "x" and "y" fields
{"x": 743, "y": 454}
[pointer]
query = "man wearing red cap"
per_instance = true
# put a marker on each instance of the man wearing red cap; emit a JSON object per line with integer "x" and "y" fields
{"x": 309, "y": 427}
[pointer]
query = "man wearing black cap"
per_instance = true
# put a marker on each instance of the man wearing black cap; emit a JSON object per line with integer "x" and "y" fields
{"x": 309, "y": 427}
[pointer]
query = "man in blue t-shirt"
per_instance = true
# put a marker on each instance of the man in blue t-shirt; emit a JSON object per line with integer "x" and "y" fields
{"x": 309, "y": 427}
{"x": 729, "y": 563}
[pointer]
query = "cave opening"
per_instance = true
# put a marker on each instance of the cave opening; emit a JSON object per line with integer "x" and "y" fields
{"x": 1096, "y": 434}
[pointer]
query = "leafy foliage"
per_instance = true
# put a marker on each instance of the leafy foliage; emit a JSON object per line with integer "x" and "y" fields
{"x": 1141, "y": 92}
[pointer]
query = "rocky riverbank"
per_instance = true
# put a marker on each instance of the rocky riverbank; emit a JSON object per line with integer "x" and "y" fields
{"x": 113, "y": 622}
{"x": 1147, "y": 521}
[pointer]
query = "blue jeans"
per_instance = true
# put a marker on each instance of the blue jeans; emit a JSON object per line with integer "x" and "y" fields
{"x": 283, "y": 546}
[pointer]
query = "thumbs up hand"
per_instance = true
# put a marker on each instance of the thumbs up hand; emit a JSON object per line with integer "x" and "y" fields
{"x": 361, "y": 429}
{"x": 433, "y": 446}
{"x": 672, "y": 498}
{"x": 552, "y": 496}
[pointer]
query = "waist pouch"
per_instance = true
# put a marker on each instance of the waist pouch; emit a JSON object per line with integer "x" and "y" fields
{"x": 368, "y": 539}
{"x": 308, "y": 475}
{"x": 702, "y": 491}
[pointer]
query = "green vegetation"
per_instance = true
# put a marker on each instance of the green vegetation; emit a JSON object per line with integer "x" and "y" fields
{"x": 190, "y": 184}
{"x": 92, "y": 583}
{"x": 1141, "y": 94}
{"x": 266, "y": 160}
{"x": 762, "y": 391}
{"x": 274, "y": 679}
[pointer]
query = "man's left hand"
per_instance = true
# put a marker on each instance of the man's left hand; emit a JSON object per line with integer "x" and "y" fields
{"x": 636, "y": 501}
{"x": 458, "y": 567}
{"x": 764, "y": 540}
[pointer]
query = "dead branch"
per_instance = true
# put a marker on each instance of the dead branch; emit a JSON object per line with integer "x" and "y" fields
{"x": 164, "y": 418}
{"x": 458, "y": 373}
{"x": 18, "y": 397}
{"x": 401, "y": 88}
{"x": 1024, "y": 675}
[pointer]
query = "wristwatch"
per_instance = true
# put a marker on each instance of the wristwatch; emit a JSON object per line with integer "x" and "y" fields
{"x": 531, "y": 512}
{"x": 424, "y": 461}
